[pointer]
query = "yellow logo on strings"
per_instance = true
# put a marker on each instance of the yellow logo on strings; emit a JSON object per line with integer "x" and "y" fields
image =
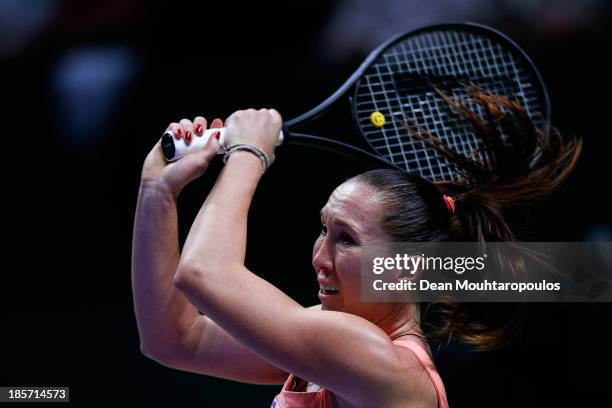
{"x": 377, "y": 119}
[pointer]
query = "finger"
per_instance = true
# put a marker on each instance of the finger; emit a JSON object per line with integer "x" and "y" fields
{"x": 231, "y": 117}
{"x": 191, "y": 166}
{"x": 278, "y": 119}
{"x": 198, "y": 161}
{"x": 199, "y": 124}
{"x": 187, "y": 127}
{"x": 213, "y": 144}
{"x": 156, "y": 156}
{"x": 216, "y": 123}
{"x": 176, "y": 130}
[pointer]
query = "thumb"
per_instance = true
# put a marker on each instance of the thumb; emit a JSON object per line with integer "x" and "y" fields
{"x": 214, "y": 142}
{"x": 194, "y": 164}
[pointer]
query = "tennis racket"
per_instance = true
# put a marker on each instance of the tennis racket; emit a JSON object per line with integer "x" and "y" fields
{"x": 403, "y": 81}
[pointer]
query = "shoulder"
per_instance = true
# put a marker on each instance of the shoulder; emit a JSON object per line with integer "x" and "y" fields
{"x": 408, "y": 385}
{"x": 414, "y": 378}
{"x": 315, "y": 307}
{"x": 387, "y": 372}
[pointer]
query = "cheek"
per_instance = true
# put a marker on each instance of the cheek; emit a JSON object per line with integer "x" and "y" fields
{"x": 348, "y": 267}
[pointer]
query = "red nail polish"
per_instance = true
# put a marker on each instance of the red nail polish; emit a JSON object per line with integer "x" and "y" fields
{"x": 188, "y": 136}
{"x": 217, "y": 135}
{"x": 198, "y": 130}
{"x": 179, "y": 132}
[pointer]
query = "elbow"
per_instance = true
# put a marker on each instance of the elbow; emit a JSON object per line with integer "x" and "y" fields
{"x": 185, "y": 276}
{"x": 161, "y": 356}
{"x": 147, "y": 351}
{"x": 198, "y": 279}
{"x": 152, "y": 353}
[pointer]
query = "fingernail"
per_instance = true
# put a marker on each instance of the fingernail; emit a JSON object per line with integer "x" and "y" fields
{"x": 179, "y": 132}
{"x": 198, "y": 130}
{"x": 217, "y": 135}
{"x": 188, "y": 136}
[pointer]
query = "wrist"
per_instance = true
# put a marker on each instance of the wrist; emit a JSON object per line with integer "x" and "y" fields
{"x": 244, "y": 155}
{"x": 158, "y": 188}
{"x": 249, "y": 162}
{"x": 248, "y": 150}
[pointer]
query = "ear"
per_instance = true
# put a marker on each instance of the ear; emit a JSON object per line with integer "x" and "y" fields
{"x": 411, "y": 268}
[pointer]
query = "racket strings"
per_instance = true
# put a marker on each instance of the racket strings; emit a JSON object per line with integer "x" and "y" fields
{"x": 405, "y": 85}
{"x": 436, "y": 144}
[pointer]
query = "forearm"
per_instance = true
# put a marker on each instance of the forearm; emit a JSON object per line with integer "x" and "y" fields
{"x": 212, "y": 273}
{"x": 163, "y": 314}
{"x": 218, "y": 234}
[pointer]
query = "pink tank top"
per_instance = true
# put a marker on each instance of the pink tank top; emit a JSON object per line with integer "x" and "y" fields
{"x": 325, "y": 399}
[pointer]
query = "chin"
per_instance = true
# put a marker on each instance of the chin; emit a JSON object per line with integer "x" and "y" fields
{"x": 326, "y": 305}
{"x": 332, "y": 307}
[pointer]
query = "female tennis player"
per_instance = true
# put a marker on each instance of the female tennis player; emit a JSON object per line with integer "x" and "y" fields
{"x": 342, "y": 352}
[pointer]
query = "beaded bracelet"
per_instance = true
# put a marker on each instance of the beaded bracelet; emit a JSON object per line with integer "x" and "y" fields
{"x": 265, "y": 160}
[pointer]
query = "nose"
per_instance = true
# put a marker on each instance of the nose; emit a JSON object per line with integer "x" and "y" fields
{"x": 322, "y": 258}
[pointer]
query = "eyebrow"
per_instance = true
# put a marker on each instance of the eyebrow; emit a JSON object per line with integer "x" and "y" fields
{"x": 340, "y": 222}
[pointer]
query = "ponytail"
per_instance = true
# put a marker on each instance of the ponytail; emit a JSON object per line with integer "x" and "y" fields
{"x": 524, "y": 166}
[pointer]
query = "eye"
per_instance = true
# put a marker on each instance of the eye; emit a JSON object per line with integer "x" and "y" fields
{"x": 346, "y": 239}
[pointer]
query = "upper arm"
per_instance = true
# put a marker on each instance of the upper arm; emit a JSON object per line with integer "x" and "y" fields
{"x": 342, "y": 352}
{"x": 208, "y": 349}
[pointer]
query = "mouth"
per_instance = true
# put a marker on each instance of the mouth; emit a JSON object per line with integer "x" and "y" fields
{"x": 326, "y": 290}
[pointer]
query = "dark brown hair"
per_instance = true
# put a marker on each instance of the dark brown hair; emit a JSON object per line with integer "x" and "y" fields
{"x": 490, "y": 201}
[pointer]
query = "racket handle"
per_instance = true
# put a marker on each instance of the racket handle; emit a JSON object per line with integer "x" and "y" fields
{"x": 175, "y": 148}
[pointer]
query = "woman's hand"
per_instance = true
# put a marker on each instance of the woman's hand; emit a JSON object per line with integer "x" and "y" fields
{"x": 259, "y": 128}
{"x": 175, "y": 176}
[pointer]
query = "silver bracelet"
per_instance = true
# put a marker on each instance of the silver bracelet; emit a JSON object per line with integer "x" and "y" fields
{"x": 265, "y": 160}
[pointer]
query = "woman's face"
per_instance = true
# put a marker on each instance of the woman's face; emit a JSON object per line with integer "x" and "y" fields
{"x": 351, "y": 217}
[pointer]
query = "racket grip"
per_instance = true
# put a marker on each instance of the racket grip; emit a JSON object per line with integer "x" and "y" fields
{"x": 174, "y": 148}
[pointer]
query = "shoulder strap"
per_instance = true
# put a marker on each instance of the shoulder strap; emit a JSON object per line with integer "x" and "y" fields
{"x": 429, "y": 367}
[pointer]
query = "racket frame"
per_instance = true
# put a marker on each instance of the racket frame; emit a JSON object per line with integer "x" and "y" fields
{"x": 344, "y": 89}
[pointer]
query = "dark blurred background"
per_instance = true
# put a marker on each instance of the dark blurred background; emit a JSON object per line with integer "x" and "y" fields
{"x": 88, "y": 87}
